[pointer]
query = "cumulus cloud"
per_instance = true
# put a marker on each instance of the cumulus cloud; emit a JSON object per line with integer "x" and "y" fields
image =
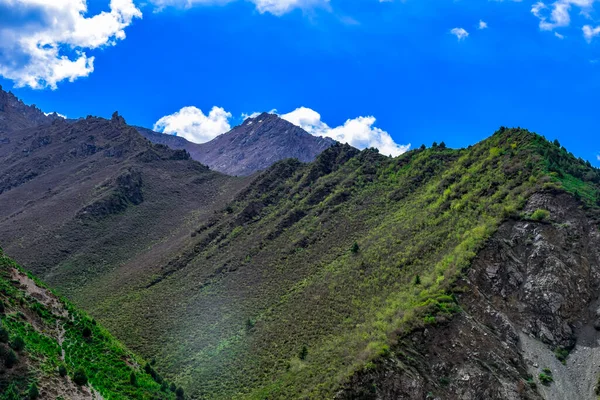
{"x": 460, "y": 33}
{"x": 192, "y": 124}
{"x": 358, "y": 132}
{"x": 590, "y": 32}
{"x": 482, "y": 24}
{"x": 44, "y": 42}
{"x": 558, "y": 15}
{"x": 276, "y": 7}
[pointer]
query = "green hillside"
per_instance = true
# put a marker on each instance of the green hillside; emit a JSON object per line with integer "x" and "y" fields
{"x": 314, "y": 271}
{"x": 50, "y": 350}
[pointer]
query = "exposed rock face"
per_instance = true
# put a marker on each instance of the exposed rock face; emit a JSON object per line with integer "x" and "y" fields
{"x": 253, "y": 146}
{"x": 15, "y": 115}
{"x": 531, "y": 293}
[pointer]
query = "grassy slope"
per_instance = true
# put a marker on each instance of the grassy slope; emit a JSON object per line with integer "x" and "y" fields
{"x": 106, "y": 362}
{"x": 275, "y": 272}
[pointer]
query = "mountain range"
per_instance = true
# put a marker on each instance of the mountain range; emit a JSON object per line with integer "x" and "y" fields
{"x": 442, "y": 273}
{"x": 253, "y": 146}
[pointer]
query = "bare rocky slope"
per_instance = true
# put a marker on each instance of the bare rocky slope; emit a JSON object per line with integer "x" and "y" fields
{"x": 529, "y": 309}
{"x": 253, "y": 146}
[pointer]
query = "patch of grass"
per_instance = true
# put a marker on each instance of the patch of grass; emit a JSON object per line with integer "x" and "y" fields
{"x": 93, "y": 357}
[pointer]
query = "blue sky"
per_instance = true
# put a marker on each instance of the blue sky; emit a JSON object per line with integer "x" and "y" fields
{"x": 534, "y": 66}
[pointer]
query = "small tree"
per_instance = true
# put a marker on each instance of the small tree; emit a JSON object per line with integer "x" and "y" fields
{"x": 87, "y": 332}
{"x": 11, "y": 359}
{"x": 34, "y": 392}
{"x": 179, "y": 393}
{"x": 417, "y": 280}
{"x": 3, "y": 334}
{"x": 354, "y": 249}
{"x": 303, "y": 353}
{"x": 173, "y": 387}
{"x": 423, "y": 147}
{"x": 2, "y": 307}
{"x": 556, "y": 143}
{"x": 442, "y": 145}
{"x": 249, "y": 324}
{"x": 18, "y": 344}
{"x": 62, "y": 370}
{"x": 80, "y": 378}
{"x": 133, "y": 379}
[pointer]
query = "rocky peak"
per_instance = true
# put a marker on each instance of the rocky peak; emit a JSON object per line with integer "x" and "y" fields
{"x": 15, "y": 115}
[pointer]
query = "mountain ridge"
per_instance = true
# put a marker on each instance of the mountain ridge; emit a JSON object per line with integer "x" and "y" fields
{"x": 250, "y": 147}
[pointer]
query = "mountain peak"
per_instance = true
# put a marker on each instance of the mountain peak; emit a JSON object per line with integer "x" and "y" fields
{"x": 254, "y": 145}
{"x": 15, "y": 115}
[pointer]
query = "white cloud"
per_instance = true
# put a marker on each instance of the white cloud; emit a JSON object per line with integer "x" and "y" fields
{"x": 276, "y": 7}
{"x": 251, "y": 115}
{"x": 558, "y": 14}
{"x": 590, "y": 32}
{"x": 558, "y": 35}
{"x": 460, "y": 33}
{"x": 55, "y": 113}
{"x": 482, "y": 24}
{"x": 358, "y": 132}
{"x": 192, "y": 124}
{"x": 44, "y": 42}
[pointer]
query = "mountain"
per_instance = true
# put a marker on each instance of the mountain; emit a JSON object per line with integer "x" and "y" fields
{"x": 441, "y": 273}
{"x": 253, "y": 146}
{"x": 51, "y": 350}
{"x": 78, "y": 199}
{"x": 15, "y": 115}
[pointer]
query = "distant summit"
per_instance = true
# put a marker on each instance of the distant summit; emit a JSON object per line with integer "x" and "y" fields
{"x": 254, "y": 145}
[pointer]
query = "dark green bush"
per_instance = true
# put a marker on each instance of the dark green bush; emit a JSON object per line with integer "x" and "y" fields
{"x": 10, "y": 359}
{"x": 303, "y": 353}
{"x": 62, "y": 370}
{"x": 87, "y": 332}
{"x": 18, "y": 344}
{"x": 80, "y": 378}
{"x": 354, "y": 249}
{"x": 179, "y": 393}
{"x": 34, "y": 392}
{"x": 545, "y": 379}
{"x": 133, "y": 379}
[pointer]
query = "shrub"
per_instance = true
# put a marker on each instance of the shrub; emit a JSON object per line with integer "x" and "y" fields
{"x": 545, "y": 379}
{"x": 303, "y": 353}
{"x": 18, "y": 344}
{"x": 2, "y": 307}
{"x": 179, "y": 393}
{"x": 417, "y": 280}
{"x": 133, "y": 379}
{"x": 80, "y": 378}
{"x": 34, "y": 392}
{"x": 11, "y": 393}
{"x": 87, "y": 332}
{"x": 354, "y": 249}
{"x": 3, "y": 335}
{"x": 173, "y": 387}
{"x": 540, "y": 215}
{"x": 249, "y": 324}
{"x": 62, "y": 370}
{"x": 10, "y": 359}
